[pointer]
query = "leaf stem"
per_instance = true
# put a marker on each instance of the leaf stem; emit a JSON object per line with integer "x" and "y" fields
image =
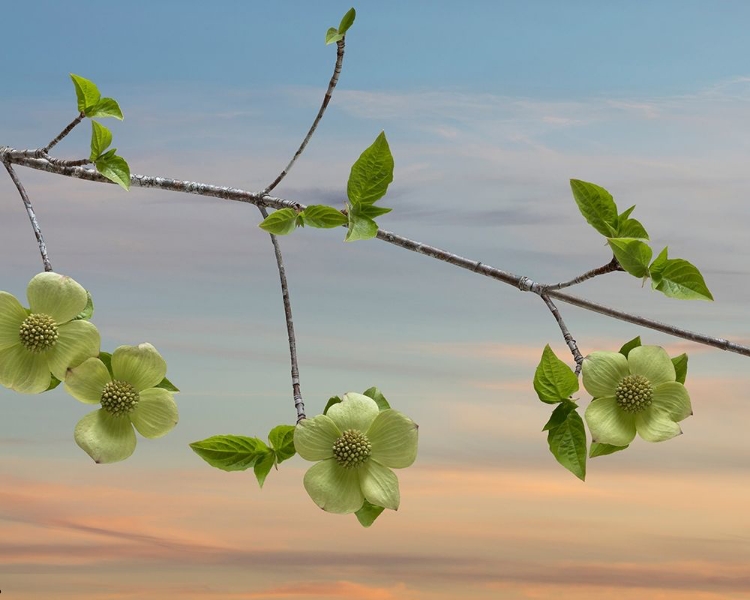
{"x": 610, "y": 267}
{"x": 318, "y": 117}
{"x": 32, "y": 215}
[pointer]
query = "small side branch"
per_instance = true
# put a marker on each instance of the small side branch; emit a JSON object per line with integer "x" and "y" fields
{"x": 299, "y": 405}
{"x": 566, "y": 333}
{"x": 610, "y": 267}
{"x": 63, "y": 133}
{"x": 32, "y": 215}
{"x": 318, "y": 117}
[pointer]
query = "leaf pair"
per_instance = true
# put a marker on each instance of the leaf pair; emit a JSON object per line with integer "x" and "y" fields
{"x": 238, "y": 453}
{"x": 91, "y": 104}
{"x": 676, "y": 278}
{"x": 334, "y": 35}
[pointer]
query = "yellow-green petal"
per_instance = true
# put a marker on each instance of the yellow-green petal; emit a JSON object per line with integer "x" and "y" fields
{"x": 314, "y": 438}
{"x": 24, "y": 371}
{"x": 608, "y": 423}
{"x": 602, "y": 371}
{"x": 653, "y": 363}
{"x": 56, "y": 295}
{"x": 654, "y": 425}
{"x": 333, "y": 488}
{"x": 394, "y": 439}
{"x": 77, "y": 341}
{"x": 355, "y": 411}
{"x": 86, "y": 381}
{"x": 155, "y": 414}
{"x": 105, "y": 438}
{"x": 673, "y": 398}
{"x": 141, "y": 366}
{"x": 12, "y": 314}
{"x": 379, "y": 485}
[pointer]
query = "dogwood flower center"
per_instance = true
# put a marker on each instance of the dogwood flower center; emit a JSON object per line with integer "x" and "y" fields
{"x": 119, "y": 398}
{"x": 352, "y": 449}
{"x": 38, "y": 332}
{"x": 633, "y": 393}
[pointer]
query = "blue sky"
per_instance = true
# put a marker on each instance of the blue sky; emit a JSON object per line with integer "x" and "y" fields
{"x": 489, "y": 107}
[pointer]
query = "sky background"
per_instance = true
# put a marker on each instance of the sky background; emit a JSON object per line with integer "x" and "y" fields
{"x": 490, "y": 108}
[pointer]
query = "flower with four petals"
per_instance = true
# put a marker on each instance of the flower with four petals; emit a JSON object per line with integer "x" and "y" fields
{"x": 634, "y": 394}
{"x": 45, "y": 339}
{"x": 129, "y": 398}
{"x": 357, "y": 446}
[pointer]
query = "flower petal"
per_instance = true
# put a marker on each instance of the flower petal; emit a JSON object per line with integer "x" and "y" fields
{"x": 105, "y": 438}
{"x": 379, "y": 485}
{"x": 314, "y": 438}
{"x": 12, "y": 314}
{"x": 76, "y": 342}
{"x": 602, "y": 371}
{"x": 673, "y": 398}
{"x": 656, "y": 425}
{"x": 24, "y": 371}
{"x": 334, "y": 488}
{"x": 86, "y": 381}
{"x": 608, "y": 423}
{"x": 56, "y": 295}
{"x": 394, "y": 439}
{"x": 653, "y": 363}
{"x": 355, "y": 411}
{"x": 155, "y": 414}
{"x": 141, "y": 366}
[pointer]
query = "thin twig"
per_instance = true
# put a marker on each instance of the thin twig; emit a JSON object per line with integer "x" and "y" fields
{"x": 63, "y": 133}
{"x": 318, "y": 117}
{"x": 610, "y": 267}
{"x": 566, "y": 333}
{"x": 299, "y": 405}
{"x": 523, "y": 283}
{"x": 32, "y": 216}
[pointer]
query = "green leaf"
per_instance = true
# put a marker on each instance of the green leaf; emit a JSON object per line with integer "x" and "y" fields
{"x": 598, "y": 449}
{"x": 280, "y": 222}
{"x": 282, "y": 442}
{"x": 263, "y": 466}
{"x": 165, "y": 384}
{"x": 567, "y": 442}
{"x": 324, "y": 217}
{"x": 370, "y": 210}
{"x": 360, "y": 228}
{"x": 101, "y": 138}
{"x": 559, "y": 415}
{"x": 347, "y": 20}
{"x": 331, "y": 402}
{"x": 596, "y": 206}
{"x": 372, "y": 173}
{"x": 376, "y": 395}
{"x": 231, "y": 452}
{"x": 657, "y": 267}
{"x": 87, "y": 311}
{"x": 106, "y": 358}
{"x": 631, "y": 228}
{"x": 622, "y": 217}
{"x": 333, "y": 36}
{"x": 54, "y": 382}
{"x": 633, "y": 255}
{"x": 677, "y": 278}
{"x": 680, "y": 367}
{"x": 628, "y": 346}
{"x": 86, "y": 92}
{"x": 554, "y": 381}
{"x": 368, "y": 513}
{"x": 114, "y": 168}
{"x": 106, "y": 107}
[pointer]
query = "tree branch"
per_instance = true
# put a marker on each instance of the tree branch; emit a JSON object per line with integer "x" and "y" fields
{"x": 523, "y": 283}
{"x": 566, "y": 333}
{"x": 318, "y": 117}
{"x": 610, "y": 267}
{"x": 32, "y": 216}
{"x": 63, "y": 133}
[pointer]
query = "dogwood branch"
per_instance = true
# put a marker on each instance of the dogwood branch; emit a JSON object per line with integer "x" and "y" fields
{"x": 63, "y": 133}
{"x": 566, "y": 333}
{"x": 523, "y": 283}
{"x": 610, "y": 267}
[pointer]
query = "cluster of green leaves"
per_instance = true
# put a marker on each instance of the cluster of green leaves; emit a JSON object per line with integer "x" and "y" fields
{"x": 555, "y": 383}
{"x": 368, "y": 182}
{"x": 239, "y": 453}
{"x": 334, "y": 35}
{"x": 674, "y": 277}
{"x": 91, "y": 104}
{"x": 369, "y": 512}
